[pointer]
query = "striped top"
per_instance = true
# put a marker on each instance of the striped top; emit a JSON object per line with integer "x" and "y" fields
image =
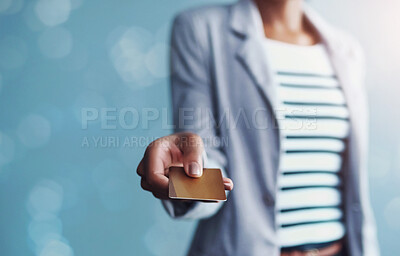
{"x": 313, "y": 122}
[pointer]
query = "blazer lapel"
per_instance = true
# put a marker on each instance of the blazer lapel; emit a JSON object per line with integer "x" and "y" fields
{"x": 247, "y": 25}
{"x": 251, "y": 54}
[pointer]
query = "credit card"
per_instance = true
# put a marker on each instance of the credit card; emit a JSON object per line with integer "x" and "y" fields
{"x": 209, "y": 187}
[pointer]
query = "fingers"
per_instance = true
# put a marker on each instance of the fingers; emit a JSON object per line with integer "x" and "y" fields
{"x": 145, "y": 185}
{"x": 140, "y": 168}
{"x": 161, "y": 196}
{"x": 192, "y": 148}
{"x": 152, "y": 167}
{"x": 155, "y": 161}
{"x": 183, "y": 148}
{"x": 228, "y": 184}
{"x": 158, "y": 193}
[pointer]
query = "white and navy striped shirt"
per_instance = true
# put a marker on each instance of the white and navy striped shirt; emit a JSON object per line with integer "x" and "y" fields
{"x": 313, "y": 122}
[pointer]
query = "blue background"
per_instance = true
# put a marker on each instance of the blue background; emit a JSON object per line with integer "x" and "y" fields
{"x": 62, "y": 196}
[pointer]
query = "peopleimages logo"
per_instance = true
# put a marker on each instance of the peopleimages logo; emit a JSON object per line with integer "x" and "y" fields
{"x": 197, "y": 119}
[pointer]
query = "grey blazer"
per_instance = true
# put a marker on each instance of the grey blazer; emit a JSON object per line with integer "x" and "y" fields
{"x": 220, "y": 71}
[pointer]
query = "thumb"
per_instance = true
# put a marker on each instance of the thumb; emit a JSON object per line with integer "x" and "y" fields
{"x": 192, "y": 148}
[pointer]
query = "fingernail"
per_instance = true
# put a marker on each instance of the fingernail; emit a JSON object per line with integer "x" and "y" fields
{"x": 194, "y": 169}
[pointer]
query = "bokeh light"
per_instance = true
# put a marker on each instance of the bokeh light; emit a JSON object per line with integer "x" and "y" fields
{"x": 45, "y": 197}
{"x": 43, "y": 231}
{"x": 56, "y": 248}
{"x": 34, "y": 131}
{"x": 53, "y": 12}
{"x": 55, "y": 42}
{"x": 128, "y": 55}
{"x": 157, "y": 60}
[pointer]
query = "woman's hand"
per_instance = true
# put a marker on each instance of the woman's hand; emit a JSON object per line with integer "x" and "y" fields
{"x": 180, "y": 149}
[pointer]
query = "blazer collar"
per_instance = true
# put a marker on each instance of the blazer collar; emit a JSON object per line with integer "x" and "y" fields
{"x": 246, "y": 23}
{"x": 245, "y": 19}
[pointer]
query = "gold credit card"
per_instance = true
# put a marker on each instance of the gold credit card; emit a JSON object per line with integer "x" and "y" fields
{"x": 209, "y": 187}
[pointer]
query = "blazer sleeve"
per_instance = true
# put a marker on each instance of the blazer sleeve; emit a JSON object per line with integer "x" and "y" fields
{"x": 192, "y": 103}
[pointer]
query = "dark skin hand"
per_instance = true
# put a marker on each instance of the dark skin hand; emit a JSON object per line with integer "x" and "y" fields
{"x": 283, "y": 20}
{"x": 180, "y": 149}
